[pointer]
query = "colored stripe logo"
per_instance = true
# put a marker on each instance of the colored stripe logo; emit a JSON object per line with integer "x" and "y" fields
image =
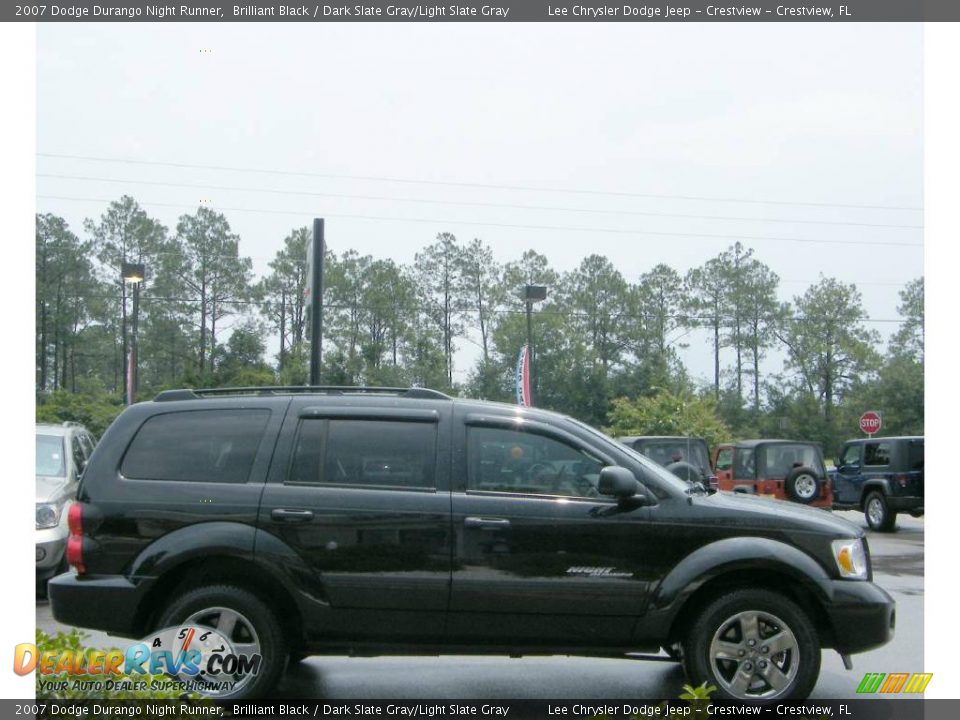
{"x": 892, "y": 683}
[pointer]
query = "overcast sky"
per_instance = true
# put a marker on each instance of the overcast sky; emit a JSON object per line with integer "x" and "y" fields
{"x": 815, "y": 120}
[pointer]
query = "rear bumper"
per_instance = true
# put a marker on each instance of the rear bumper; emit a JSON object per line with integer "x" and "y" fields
{"x": 861, "y": 614}
{"x": 905, "y": 504}
{"x": 108, "y": 603}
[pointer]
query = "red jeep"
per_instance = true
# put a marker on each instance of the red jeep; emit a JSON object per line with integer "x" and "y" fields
{"x": 784, "y": 469}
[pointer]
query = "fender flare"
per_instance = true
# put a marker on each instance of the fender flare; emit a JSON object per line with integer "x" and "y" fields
{"x": 733, "y": 554}
{"x": 881, "y": 484}
{"x": 270, "y": 555}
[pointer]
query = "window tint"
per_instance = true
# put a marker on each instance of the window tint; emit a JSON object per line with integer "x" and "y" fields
{"x": 502, "y": 460}
{"x": 851, "y": 456}
{"x": 369, "y": 453}
{"x": 88, "y": 444}
{"x": 745, "y": 469}
{"x": 725, "y": 459}
{"x": 196, "y": 446}
{"x": 777, "y": 461}
{"x": 79, "y": 454}
{"x": 876, "y": 454}
{"x": 915, "y": 459}
{"x": 50, "y": 455}
{"x": 666, "y": 452}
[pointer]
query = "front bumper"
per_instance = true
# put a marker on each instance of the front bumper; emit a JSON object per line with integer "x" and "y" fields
{"x": 109, "y": 603}
{"x": 861, "y": 614}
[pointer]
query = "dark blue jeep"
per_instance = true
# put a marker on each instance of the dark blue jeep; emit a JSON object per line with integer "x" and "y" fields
{"x": 882, "y": 477}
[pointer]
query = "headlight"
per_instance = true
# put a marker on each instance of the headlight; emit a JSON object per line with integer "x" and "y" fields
{"x": 851, "y": 558}
{"x": 48, "y": 515}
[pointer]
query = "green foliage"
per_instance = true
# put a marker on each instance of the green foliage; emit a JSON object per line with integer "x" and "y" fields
{"x": 95, "y": 411}
{"x": 599, "y": 335}
{"x": 667, "y": 413}
{"x": 77, "y": 689}
{"x": 700, "y": 692}
{"x": 829, "y": 346}
{"x": 909, "y": 339}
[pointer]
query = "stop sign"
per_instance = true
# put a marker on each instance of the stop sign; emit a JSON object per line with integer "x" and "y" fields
{"x": 870, "y": 422}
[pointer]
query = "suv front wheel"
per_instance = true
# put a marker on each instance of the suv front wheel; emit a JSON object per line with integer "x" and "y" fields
{"x": 753, "y": 645}
{"x": 243, "y": 619}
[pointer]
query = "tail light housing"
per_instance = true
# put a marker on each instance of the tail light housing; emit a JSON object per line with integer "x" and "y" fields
{"x": 75, "y": 541}
{"x": 903, "y": 479}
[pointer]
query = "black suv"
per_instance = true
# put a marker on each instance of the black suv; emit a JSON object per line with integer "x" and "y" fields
{"x": 882, "y": 477}
{"x": 376, "y": 521}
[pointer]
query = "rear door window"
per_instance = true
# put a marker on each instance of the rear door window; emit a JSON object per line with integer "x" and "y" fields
{"x": 365, "y": 453}
{"x": 876, "y": 454}
{"x": 216, "y": 446}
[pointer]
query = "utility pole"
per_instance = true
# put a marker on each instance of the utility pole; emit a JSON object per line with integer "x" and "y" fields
{"x": 531, "y": 294}
{"x": 315, "y": 252}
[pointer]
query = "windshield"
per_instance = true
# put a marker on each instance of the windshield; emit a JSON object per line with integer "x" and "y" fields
{"x": 665, "y": 452}
{"x": 50, "y": 459}
{"x": 651, "y": 468}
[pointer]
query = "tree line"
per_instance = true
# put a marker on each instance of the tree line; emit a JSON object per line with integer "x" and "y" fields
{"x": 205, "y": 320}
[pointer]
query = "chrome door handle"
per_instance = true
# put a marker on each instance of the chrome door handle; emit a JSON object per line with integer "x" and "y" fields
{"x": 291, "y": 515}
{"x": 486, "y": 523}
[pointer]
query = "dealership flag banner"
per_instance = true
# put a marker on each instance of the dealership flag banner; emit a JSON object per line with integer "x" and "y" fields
{"x": 523, "y": 377}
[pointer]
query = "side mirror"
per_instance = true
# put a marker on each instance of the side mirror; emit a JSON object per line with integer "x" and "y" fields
{"x": 617, "y": 482}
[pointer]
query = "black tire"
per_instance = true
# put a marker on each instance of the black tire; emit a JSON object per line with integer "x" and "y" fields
{"x": 760, "y": 673}
{"x": 802, "y": 485}
{"x": 878, "y": 514}
{"x": 253, "y": 611}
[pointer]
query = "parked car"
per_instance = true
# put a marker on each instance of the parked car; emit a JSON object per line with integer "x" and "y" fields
{"x": 373, "y": 520}
{"x": 62, "y": 454}
{"x": 881, "y": 477}
{"x": 686, "y": 457}
{"x": 783, "y": 469}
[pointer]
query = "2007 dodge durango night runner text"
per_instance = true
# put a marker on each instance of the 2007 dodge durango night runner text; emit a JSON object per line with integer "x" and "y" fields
{"x": 378, "y": 520}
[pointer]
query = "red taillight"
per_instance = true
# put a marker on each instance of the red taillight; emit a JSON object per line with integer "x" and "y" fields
{"x": 75, "y": 541}
{"x": 75, "y": 519}
{"x": 75, "y": 553}
{"x": 902, "y": 479}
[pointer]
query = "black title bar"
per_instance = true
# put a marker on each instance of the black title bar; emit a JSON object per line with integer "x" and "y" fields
{"x": 489, "y": 11}
{"x": 879, "y": 708}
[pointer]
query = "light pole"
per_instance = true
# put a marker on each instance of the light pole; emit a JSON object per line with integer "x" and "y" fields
{"x": 133, "y": 273}
{"x": 531, "y": 294}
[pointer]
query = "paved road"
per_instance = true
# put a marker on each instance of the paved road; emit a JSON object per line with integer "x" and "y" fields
{"x": 898, "y": 568}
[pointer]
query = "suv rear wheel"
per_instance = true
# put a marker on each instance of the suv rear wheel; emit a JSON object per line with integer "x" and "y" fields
{"x": 878, "y": 514}
{"x": 245, "y": 620}
{"x": 753, "y": 645}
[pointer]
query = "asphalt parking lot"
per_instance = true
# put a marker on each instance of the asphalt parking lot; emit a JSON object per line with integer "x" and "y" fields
{"x": 898, "y": 562}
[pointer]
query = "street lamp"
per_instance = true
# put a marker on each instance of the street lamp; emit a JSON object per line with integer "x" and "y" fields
{"x": 531, "y": 294}
{"x": 134, "y": 274}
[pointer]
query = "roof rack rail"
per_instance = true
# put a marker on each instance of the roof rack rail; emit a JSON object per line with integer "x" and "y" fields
{"x": 198, "y": 393}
